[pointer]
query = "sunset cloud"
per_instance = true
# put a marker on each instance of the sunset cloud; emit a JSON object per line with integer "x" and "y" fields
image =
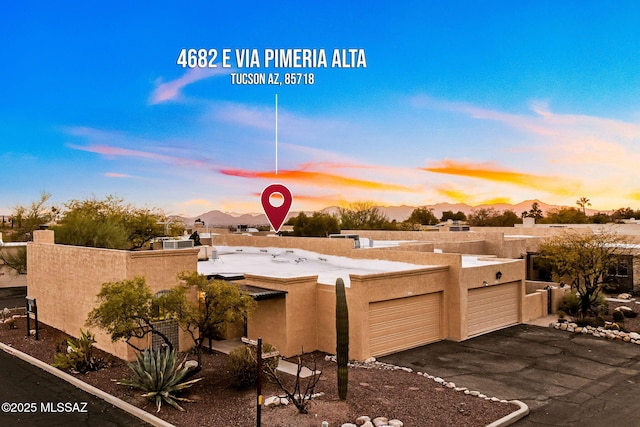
{"x": 171, "y": 91}
{"x": 550, "y": 184}
{"x": 118, "y": 175}
{"x": 113, "y": 152}
{"x": 321, "y": 179}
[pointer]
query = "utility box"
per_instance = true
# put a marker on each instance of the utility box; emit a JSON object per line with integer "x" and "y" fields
{"x": 177, "y": 244}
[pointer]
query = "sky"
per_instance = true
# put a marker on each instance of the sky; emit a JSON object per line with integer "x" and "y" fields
{"x": 426, "y": 102}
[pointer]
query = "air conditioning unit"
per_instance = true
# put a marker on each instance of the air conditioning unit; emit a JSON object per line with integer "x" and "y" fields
{"x": 177, "y": 244}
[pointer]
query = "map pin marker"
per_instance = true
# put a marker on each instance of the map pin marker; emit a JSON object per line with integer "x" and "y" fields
{"x": 276, "y": 214}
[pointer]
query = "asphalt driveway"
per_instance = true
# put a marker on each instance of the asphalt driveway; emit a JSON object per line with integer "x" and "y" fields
{"x": 566, "y": 379}
{"x": 30, "y": 396}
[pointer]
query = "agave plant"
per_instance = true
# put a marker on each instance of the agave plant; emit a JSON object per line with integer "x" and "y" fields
{"x": 158, "y": 373}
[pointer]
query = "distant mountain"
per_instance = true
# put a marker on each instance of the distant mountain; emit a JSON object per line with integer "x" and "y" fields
{"x": 398, "y": 213}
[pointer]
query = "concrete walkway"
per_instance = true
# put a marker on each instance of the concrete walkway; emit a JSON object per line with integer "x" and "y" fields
{"x": 226, "y": 346}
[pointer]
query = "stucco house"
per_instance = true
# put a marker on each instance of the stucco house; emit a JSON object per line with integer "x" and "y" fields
{"x": 399, "y": 296}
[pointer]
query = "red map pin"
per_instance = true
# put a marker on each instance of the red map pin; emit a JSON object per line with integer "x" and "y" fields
{"x": 276, "y": 214}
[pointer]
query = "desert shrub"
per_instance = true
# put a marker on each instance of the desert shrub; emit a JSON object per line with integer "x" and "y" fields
{"x": 159, "y": 375}
{"x": 570, "y": 304}
{"x": 10, "y": 323}
{"x": 78, "y": 354}
{"x": 243, "y": 364}
{"x": 618, "y": 316}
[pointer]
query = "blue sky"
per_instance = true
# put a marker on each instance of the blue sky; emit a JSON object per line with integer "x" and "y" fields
{"x": 476, "y": 102}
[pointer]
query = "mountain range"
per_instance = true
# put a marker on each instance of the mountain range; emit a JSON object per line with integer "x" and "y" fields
{"x": 398, "y": 213}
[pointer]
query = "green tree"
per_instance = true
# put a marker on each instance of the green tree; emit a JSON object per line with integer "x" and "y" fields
{"x": 14, "y": 258}
{"x": 584, "y": 260}
{"x": 449, "y": 215}
{"x": 218, "y": 303}
{"x": 127, "y": 309}
{"x": 363, "y": 216}
{"x": 108, "y": 223}
{"x": 583, "y": 202}
{"x": 534, "y": 212}
{"x": 489, "y": 217}
{"x": 317, "y": 225}
{"x": 26, "y": 219}
{"x": 565, "y": 215}
{"x": 625, "y": 213}
{"x": 422, "y": 216}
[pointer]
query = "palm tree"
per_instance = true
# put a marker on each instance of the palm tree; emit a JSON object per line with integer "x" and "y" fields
{"x": 583, "y": 202}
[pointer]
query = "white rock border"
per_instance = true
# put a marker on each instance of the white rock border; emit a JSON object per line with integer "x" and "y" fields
{"x": 372, "y": 363}
{"x": 599, "y": 332}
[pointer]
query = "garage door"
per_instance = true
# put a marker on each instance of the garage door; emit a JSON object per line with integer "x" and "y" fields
{"x": 404, "y": 323}
{"x": 492, "y": 308}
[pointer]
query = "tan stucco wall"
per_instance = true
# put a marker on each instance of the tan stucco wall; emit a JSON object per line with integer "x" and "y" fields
{"x": 66, "y": 279}
{"x": 535, "y": 306}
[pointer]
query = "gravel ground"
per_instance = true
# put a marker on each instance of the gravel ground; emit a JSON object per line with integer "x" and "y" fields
{"x": 413, "y": 399}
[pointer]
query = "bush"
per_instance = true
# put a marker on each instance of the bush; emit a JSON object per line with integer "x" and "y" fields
{"x": 158, "y": 373}
{"x": 618, "y": 316}
{"x": 243, "y": 364}
{"x": 77, "y": 356}
{"x": 11, "y": 323}
{"x": 570, "y": 304}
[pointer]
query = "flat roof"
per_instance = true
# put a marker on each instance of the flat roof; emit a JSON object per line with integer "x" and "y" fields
{"x": 290, "y": 263}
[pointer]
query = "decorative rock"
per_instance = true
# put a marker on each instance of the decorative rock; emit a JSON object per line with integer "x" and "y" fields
{"x": 349, "y": 425}
{"x": 284, "y": 401}
{"x": 439, "y": 380}
{"x": 395, "y": 423}
{"x": 634, "y": 335}
{"x": 474, "y": 393}
{"x": 370, "y": 360}
{"x": 191, "y": 364}
{"x": 450, "y": 385}
{"x": 380, "y": 421}
{"x": 626, "y": 339}
{"x": 368, "y": 424}
{"x": 563, "y": 327}
{"x": 272, "y": 401}
{"x": 32, "y": 332}
{"x": 362, "y": 419}
{"x": 495, "y": 399}
{"x": 624, "y": 296}
{"x": 482, "y": 396}
{"x": 623, "y": 308}
{"x": 406, "y": 369}
{"x": 578, "y": 330}
{"x": 460, "y": 389}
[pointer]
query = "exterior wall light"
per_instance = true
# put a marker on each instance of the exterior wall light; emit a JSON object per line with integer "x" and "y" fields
{"x": 498, "y": 275}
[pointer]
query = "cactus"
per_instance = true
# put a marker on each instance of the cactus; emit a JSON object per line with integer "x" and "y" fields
{"x": 342, "y": 338}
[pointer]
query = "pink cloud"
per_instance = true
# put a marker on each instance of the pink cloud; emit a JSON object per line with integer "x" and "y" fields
{"x": 171, "y": 91}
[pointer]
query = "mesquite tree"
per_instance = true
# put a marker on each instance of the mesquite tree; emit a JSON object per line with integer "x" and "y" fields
{"x": 342, "y": 338}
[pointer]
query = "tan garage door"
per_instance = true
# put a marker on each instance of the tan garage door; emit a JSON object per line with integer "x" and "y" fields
{"x": 492, "y": 308}
{"x": 404, "y": 323}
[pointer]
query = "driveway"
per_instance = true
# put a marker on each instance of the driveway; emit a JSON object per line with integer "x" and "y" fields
{"x": 566, "y": 379}
{"x": 30, "y": 396}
